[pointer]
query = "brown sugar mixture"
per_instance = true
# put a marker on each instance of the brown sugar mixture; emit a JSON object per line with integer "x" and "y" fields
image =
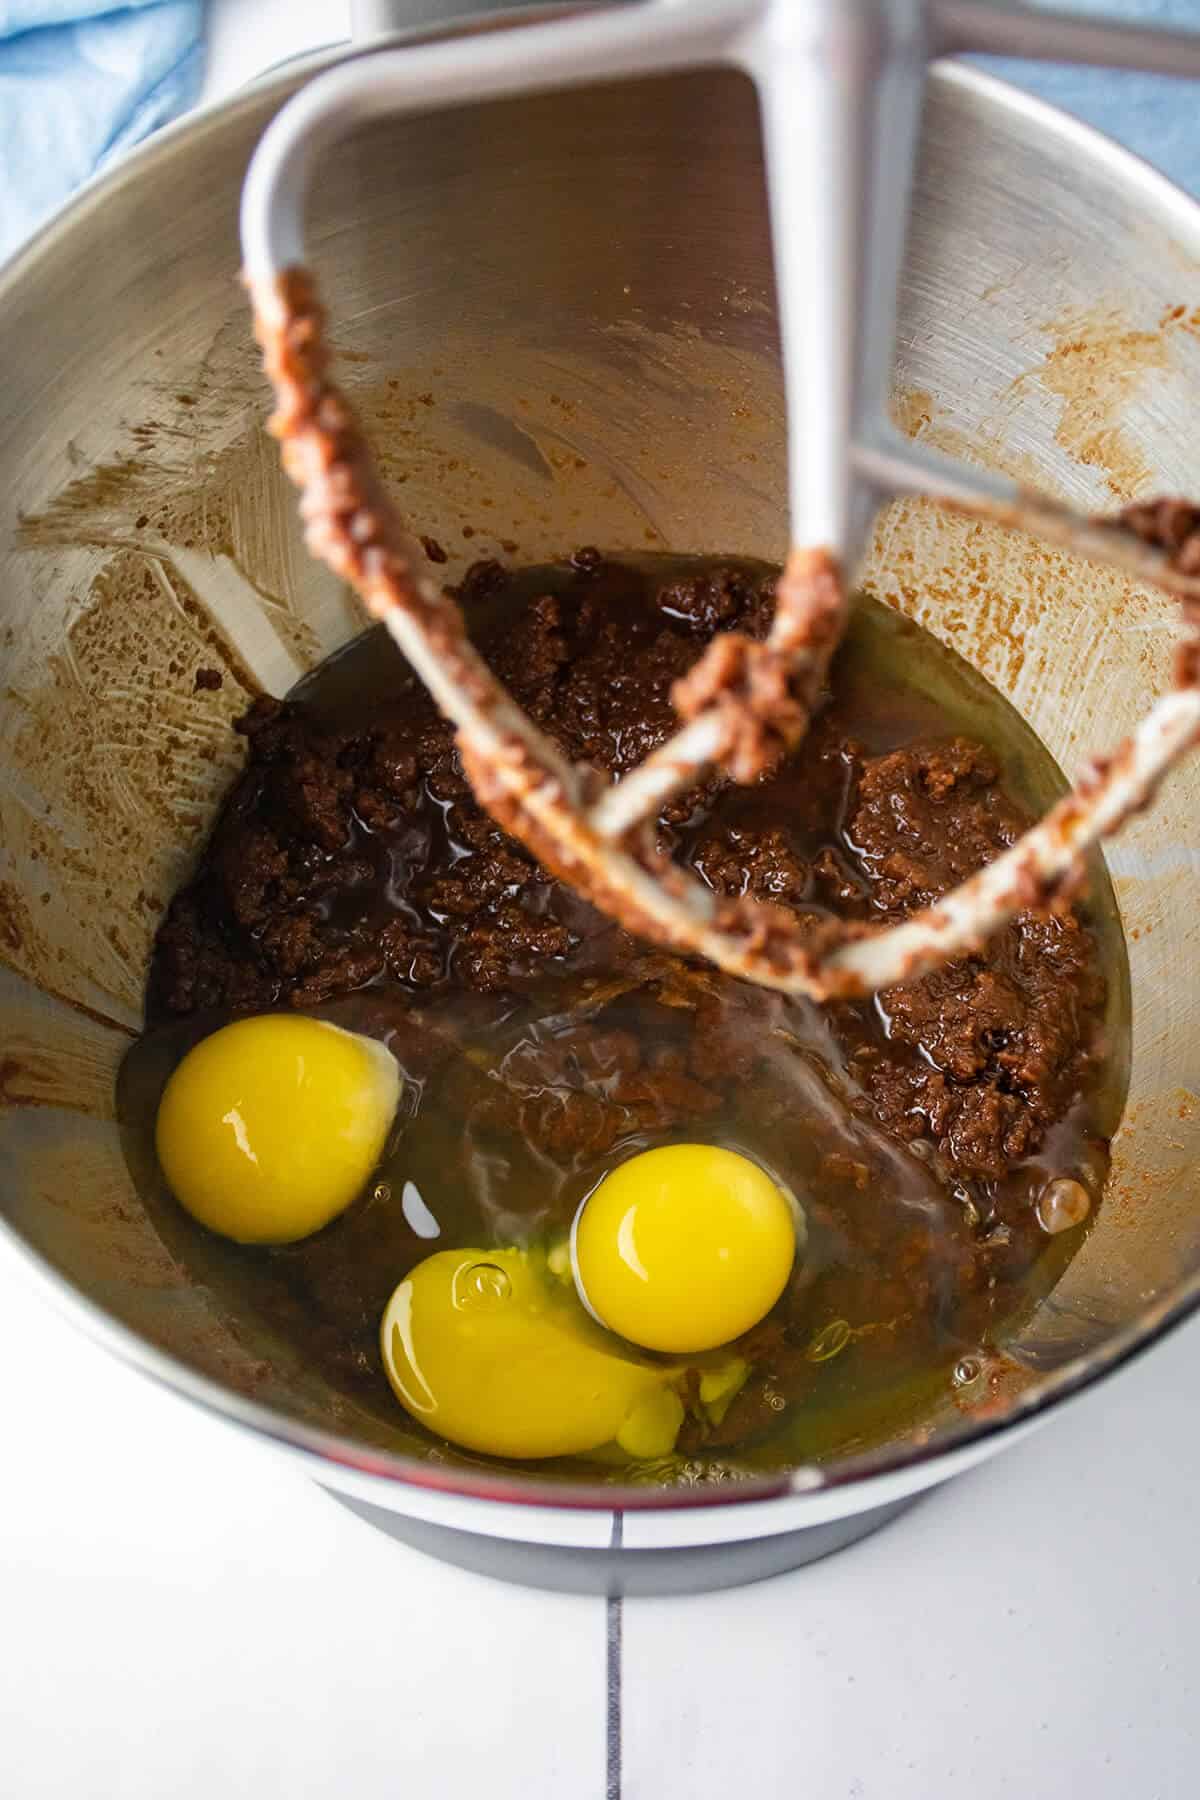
{"x": 943, "y": 1138}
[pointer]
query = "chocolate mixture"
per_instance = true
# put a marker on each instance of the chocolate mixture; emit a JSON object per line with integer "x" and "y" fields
{"x": 921, "y": 1128}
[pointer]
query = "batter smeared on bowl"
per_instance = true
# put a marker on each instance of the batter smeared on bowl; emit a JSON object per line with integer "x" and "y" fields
{"x": 941, "y": 1145}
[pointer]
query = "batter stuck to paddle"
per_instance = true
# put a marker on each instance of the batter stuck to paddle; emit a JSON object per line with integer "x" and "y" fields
{"x": 840, "y": 85}
{"x": 743, "y": 706}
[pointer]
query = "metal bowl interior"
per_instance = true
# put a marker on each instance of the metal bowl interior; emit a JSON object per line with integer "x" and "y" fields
{"x": 557, "y": 316}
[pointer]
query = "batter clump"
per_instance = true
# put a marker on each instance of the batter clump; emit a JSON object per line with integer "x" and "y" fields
{"x": 353, "y": 852}
{"x": 352, "y": 867}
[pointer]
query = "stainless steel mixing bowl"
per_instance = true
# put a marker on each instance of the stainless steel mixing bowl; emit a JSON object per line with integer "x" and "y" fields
{"x": 558, "y": 317}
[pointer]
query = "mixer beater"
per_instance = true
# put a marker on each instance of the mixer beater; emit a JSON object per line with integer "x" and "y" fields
{"x": 840, "y": 85}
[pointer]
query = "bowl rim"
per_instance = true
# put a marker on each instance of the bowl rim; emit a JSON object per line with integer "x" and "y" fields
{"x": 336, "y": 1460}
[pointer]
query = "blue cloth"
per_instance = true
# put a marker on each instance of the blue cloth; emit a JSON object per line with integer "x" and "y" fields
{"x": 1153, "y": 114}
{"x": 80, "y": 81}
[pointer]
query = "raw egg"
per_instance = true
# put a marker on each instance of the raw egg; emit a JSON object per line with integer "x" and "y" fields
{"x": 485, "y": 1348}
{"x": 271, "y": 1126}
{"x": 683, "y": 1248}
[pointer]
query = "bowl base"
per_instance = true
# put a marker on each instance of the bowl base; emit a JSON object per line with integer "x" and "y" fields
{"x": 616, "y": 1571}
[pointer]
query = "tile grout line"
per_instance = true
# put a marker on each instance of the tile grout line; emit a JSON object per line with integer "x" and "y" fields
{"x": 612, "y": 1717}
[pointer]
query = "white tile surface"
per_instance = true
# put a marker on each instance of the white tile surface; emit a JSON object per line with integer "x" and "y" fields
{"x": 246, "y": 36}
{"x": 184, "y": 1617}
{"x": 1033, "y": 1630}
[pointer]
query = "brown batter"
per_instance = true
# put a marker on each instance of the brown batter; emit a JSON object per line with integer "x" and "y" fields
{"x": 747, "y": 701}
{"x": 352, "y": 859}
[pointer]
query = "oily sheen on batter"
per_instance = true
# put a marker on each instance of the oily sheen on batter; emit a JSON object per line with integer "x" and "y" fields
{"x": 938, "y": 1138}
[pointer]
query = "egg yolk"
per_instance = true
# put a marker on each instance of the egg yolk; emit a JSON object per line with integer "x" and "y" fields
{"x": 272, "y": 1126}
{"x": 684, "y": 1248}
{"x": 482, "y": 1347}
